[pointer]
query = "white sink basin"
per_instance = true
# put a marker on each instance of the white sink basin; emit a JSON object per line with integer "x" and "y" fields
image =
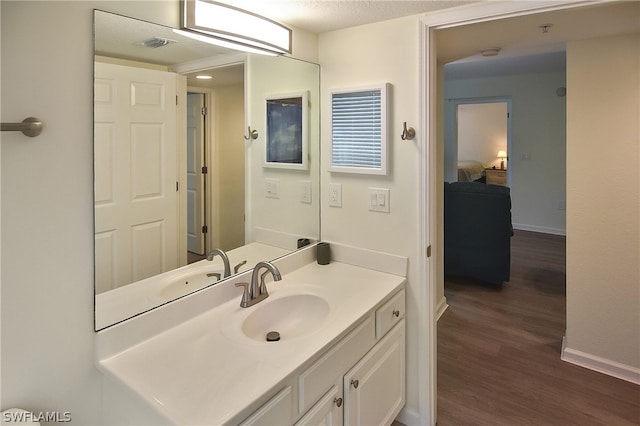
{"x": 292, "y": 316}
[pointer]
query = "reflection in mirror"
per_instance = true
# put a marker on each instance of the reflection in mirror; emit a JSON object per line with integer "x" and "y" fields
{"x": 174, "y": 178}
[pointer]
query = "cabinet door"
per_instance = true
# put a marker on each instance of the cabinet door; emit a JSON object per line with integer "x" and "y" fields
{"x": 276, "y": 411}
{"x": 327, "y": 412}
{"x": 374, "y": 389}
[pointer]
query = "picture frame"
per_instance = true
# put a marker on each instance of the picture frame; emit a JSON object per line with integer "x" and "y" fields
{"x": 287, "y": 139}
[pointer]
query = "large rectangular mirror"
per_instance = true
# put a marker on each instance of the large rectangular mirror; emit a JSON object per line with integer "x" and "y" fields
{"x": 178, "y": 175}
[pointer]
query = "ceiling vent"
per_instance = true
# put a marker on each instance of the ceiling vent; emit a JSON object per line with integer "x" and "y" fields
{"x": 156, "y": 42}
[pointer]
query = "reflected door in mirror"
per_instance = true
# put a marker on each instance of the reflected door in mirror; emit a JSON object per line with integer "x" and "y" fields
{"x": 136, "y": 221}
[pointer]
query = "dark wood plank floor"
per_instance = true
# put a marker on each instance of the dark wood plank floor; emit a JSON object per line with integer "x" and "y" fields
{"x": 499, "y": 351}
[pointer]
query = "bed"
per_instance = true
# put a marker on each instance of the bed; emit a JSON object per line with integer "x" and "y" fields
{"x": 471, "y": 171}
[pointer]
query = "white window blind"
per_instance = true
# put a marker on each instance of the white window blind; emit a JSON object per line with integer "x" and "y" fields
{"x": 358, "y": 130}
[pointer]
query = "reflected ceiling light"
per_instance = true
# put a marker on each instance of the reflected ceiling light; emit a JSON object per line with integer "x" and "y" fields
{"x": 492, "y": 51}
{"x": 218, "y": 42}
{"x": 231, "y": 24}
{"x": 204, "y": 77}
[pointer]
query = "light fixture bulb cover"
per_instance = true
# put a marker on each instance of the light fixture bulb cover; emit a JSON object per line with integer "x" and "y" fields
{"x": 236, "y": 25}
{"x": 502, "y": 154}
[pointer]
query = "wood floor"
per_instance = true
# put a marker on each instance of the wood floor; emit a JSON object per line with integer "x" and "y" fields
{"x": 499, "y": 351}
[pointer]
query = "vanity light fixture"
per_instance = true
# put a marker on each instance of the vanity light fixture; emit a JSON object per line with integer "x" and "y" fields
{"x": 204, "y": 77}
{"x": 235, "y": 26}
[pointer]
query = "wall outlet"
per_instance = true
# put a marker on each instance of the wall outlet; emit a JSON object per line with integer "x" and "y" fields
{"x": 335, "y": 194}
{"x": 305, "y": 191}
{"x": 272, "y": 188}
{"x": 379, "y": 199}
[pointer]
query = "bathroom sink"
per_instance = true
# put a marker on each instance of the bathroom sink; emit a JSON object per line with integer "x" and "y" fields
{"x": 292, "y": 316}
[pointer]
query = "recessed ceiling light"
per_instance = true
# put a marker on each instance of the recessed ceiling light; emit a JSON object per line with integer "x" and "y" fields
{"x": 204, "y": 77}
{"x": 492, "y": 51}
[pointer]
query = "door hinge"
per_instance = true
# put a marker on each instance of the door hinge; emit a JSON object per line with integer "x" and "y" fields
{"x": 429, "y": 251}
{"x": 177, "y": 186}
{"x": 205, "y": 229}
{"x": 176, "y": 99}
{"x": 205, "y": 170}
{"x": 204, "y": 111}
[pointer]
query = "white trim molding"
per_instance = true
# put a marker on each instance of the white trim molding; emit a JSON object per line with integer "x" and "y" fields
{"x": 601, "y": 365}
{"x": 427, "y": 145}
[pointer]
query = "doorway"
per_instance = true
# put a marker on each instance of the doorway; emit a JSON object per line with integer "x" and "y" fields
{"x": 196, "y": 171}
{"x": 479, "y": 135}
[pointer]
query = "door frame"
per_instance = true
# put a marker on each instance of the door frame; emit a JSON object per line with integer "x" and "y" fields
{"x": 428, "y": 171}
{"x": 210, "y": 189}
{"x": 455, "y": 102}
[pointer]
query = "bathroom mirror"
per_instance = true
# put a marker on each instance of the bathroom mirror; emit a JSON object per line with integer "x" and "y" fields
{"x": 179, "y": 164}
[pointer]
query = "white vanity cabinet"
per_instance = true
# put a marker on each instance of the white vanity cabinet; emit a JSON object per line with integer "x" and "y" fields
{"x": 277, "y": 411}
{"x": 374, "y": 390}
{"x": 360, "y": 380}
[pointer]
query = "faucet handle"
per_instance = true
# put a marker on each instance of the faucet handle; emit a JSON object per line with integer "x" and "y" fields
{"x": 245, "y": 295}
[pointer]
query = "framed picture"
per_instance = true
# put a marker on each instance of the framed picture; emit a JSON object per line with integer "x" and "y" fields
{"x": 287, "y": 127}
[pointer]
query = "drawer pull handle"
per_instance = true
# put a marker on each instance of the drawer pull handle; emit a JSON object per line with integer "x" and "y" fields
{"x": 355, "y": 383}
{"x": 338, "y": 402}
{"x": 396, "y": 313}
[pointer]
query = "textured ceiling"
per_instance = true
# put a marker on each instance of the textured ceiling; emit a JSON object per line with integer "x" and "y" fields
{"x": 318, "y": 16}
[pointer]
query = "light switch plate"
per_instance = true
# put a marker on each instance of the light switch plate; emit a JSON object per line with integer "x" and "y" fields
{"x": 379, "y": 199}
{"x": 305, "y": 191}
{"x": 335, "y": 194}
{"x": 272, "y": 188}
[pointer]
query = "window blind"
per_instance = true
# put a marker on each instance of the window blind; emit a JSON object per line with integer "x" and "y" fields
{"x": 357, "y": 129}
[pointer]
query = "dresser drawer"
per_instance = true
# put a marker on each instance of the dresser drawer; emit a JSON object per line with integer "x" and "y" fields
{"x": 389, "y": 314}
{"x": 497, "y": 177}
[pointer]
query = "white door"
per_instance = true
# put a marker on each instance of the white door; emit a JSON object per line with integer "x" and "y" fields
{"x": 195, "y": 174}
{"x": 136, "y": 223}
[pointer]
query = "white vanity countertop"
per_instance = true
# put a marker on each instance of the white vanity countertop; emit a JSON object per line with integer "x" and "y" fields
{"x": 206, "y": 371}
{"x": 126, "y": 301}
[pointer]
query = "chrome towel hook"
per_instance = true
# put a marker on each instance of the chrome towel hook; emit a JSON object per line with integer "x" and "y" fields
{"x": 253, "y": 134}
{"x": 409, "y": 133}
{"x": 30, "y": 126}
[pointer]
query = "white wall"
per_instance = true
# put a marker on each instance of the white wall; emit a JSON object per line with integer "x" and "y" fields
{"x": 276, "y": 76}
{"x": 47, "y": 203}
{"x": 377, "y": 53}
{"x": 603, "y": 201}
{"x": 228, "y": 160}
{"x": 538, "y": 184}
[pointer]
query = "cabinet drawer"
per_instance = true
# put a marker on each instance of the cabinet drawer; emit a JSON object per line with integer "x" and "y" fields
{"x": 496, "y": 177}
{"x": 318, "y": 378}
{"x": 389, "y": 314}
{"x": 328, "y": 411}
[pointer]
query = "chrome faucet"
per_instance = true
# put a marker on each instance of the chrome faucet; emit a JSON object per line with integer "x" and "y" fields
{"x": 225, "y": 260}
{"x": 256, "y": 291}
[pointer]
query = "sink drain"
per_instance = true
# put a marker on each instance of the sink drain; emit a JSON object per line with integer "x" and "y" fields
{"x": 273, "y": 336}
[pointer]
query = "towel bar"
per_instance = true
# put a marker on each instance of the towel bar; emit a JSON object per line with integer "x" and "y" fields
{"x": 30, "y": 126}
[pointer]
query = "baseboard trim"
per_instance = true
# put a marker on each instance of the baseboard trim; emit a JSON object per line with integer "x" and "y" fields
{"x": 601, "y": 365}
{"x": 408, "y": 417}
{"x": 441, "y": 308}
{"x": 541, "y": 229}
